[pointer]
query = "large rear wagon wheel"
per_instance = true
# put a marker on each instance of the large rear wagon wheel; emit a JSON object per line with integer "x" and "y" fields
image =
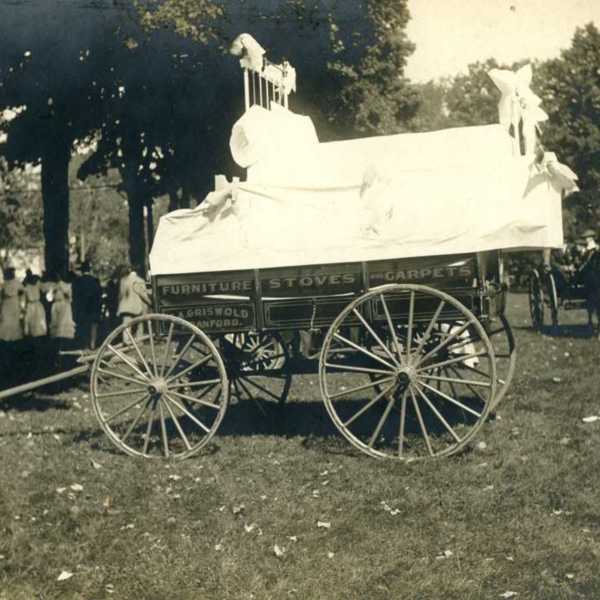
{"x": 159, "y": 387}
{"x": 424, "y": 395}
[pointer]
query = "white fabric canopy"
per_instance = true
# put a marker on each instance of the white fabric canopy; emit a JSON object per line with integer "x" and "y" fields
{"x": 446, "y": 192}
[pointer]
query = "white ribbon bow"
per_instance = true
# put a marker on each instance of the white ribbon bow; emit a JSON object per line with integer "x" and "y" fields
{"x": 250, "y": 50}
{"x": 561, "y": 175}
{"x": 518, "y": 102}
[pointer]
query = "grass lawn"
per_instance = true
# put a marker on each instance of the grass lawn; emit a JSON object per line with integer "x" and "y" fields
{"x": 288, "y": 509}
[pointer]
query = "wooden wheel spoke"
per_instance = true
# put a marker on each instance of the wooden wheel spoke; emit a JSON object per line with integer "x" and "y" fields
{"x": 392, "y": 328}
{"x": 402, "y": 423}
{"x": 430, "y": 326}
{"x": 122, "y": 393}
{"x": 121, "y": 368}
{"x": 364, "y": 351}
{"x": 194, "y": 400}
{"x": 358, "y": 369}
{"x": 475, "y": 370}
{"x": 134, "y": 423}
{"x": 189, "y": 368}
{"x": 452, "y": 335}
{"x": 179, "y": 356}
{"x": 369, "y": 404}
{"x": 452, "y": 400}
{"x": 421, "y": 422}
{"x": 177, "y": 425}
{"x": 192, "y": 384}
{"x": 140, "y": 355}
{"x": 360, "y": 388}
{"x": 411, "y": 315}
{"x": 152, "y": 348}
{"x": 122, "y": 377}
{"x": 167, "y": 349}
{"x": 438, "y": 415}
{"x": 256, "y": 402}
{"x": 132, "y": 365}
{"x": 188, "y": 414}
{"x": 239, "y": 390}
{"x": 470, "y": 386}
{"x": 375, "y": 336}
{"x": 163, "y": 430}
{"x": 266, "y": 358}
{"x": 124, "y": 409}
{"x": 149, "y": 430}
{"x": 462, "y": 343}
{"x": 258, "y": 387}
{"x": 455, "y": 380}
{"x": 382, "y": 421}
{"x": 457, "y": 359}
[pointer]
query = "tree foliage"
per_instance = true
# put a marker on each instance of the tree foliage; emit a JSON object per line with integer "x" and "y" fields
{"x": 350, "y": 56}
{"x": 570, "y": 89}
{"x": 20, "y": 208}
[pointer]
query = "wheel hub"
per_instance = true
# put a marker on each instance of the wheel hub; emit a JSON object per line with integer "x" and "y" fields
{"x": 158, "y": 387}
{"x": 406, "y": 376}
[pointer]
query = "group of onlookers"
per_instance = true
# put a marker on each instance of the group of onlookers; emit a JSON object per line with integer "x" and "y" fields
{"x": 49, "y": 305}
{"x": 44, "y": 314}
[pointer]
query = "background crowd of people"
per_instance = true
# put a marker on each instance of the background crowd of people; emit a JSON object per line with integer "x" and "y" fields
{"x": 41, "y": 316}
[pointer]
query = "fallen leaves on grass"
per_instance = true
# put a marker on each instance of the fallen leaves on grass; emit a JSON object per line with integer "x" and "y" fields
{"x": 323, "y": 524}
{"x": 64, "y": 575}
{"x": 96, "y": 465}
{"x": 508, "y": 594}
{"x": 278, "y": 551}
{"x": 591, "y": 419}
{"x": 236, "y": 510}
{"x": 77, "y": 487}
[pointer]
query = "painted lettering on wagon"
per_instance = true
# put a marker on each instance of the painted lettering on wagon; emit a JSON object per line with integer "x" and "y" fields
{"x": 218, "y": 317}
{"x": 205, "y": 287}
{"x": 424, "y": 274}
{"x": 311, "y": 281}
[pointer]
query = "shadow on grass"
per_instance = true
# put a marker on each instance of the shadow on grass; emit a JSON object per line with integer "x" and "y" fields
{"x": 44, "y": 398}
{"x": 561, "y": 331}
{"x": 304, "y": 420}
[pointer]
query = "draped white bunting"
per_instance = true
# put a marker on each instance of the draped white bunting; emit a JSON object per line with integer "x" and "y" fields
{"x": 250, "y": 50}
{"x": 519, "y": 103}
{"x": 561, "y": 175}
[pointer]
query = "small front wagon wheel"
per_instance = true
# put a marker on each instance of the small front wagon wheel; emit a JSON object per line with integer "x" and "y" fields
{"x": 536, "y": 301}
{"x": 419, "y": 379}
{"x": 159, "y": 387}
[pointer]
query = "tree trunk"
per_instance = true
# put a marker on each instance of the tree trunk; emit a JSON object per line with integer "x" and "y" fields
{"x": 173, "y": 200}
{"x": 137, "y": 241}
{"x": 55, "y": 196}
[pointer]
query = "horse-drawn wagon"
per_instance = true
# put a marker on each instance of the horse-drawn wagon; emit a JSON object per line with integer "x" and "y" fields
{"x": 376, "y": 263}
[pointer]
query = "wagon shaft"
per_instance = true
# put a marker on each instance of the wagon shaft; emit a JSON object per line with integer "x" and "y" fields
{"x": 28, "y": 387}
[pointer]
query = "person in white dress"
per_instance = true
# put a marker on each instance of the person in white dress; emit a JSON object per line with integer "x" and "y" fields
{"x": 11, "y": 329}
{"x": 62, "y": 325}
{"x": 34, "y": 323}
{"x": 134, "y": 300}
